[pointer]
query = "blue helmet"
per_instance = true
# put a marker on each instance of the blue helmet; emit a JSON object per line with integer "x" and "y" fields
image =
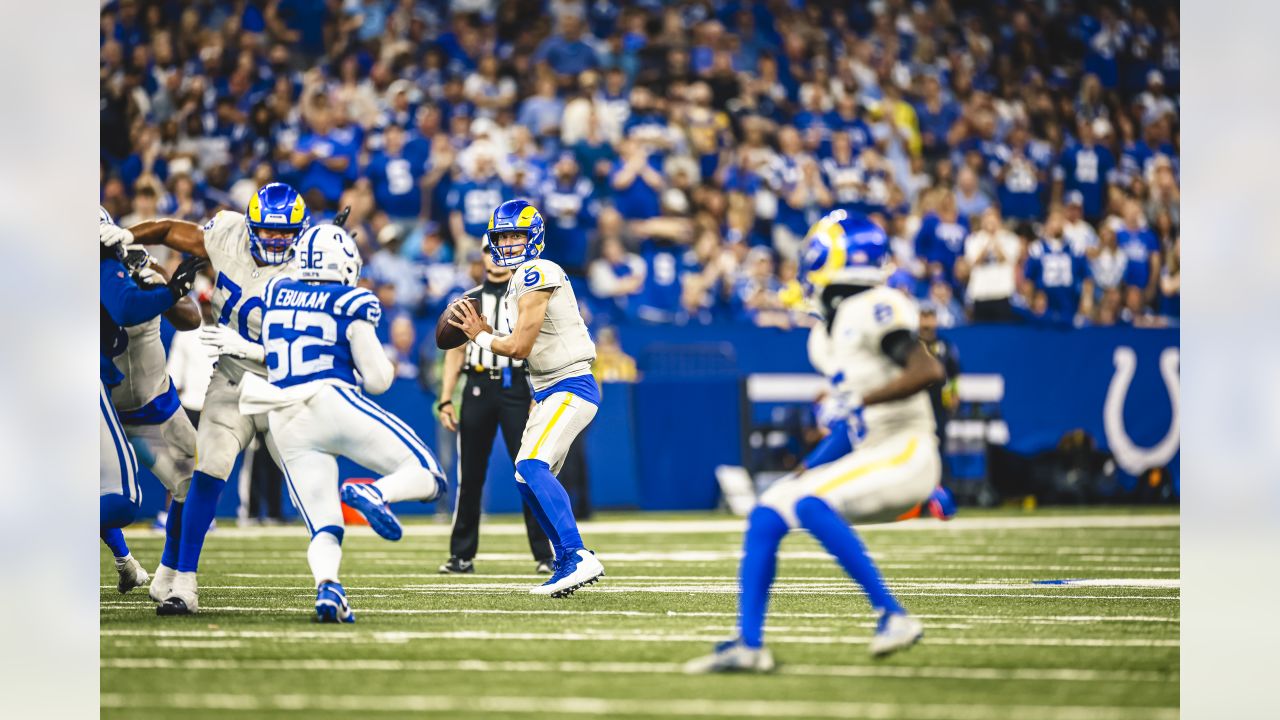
{"x": 275, "y": 206}
{"x": 517, "y": 216}
{"x": 843, "y": 248}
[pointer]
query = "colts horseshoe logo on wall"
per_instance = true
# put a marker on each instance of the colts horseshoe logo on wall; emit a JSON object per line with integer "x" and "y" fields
{"x": 1131, "y": 458}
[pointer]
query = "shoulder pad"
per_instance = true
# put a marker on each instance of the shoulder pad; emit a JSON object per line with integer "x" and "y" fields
{"x": 358, "y": 304}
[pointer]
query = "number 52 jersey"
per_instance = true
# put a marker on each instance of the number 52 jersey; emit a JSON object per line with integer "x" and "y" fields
{"x": 238, "y": 293}
{"x": 305, "y": 328}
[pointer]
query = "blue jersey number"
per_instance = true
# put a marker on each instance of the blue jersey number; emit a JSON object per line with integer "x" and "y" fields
{"x": 234, "y": 293}
{"x": 301, "y": 347}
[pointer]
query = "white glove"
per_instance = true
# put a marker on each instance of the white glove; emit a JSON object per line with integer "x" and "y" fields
{"x": 148, "y": 276}
{"x": 838, "y": 406}
{"x": 112, "y": 235}
{"x": 222, "y": 340}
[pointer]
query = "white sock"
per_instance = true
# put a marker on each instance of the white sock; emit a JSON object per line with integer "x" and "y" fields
{"x": 184, "y": 582}
{"x": 408, "y": 483}
{"x": 324, "y": 555}
{"x": 163, "y": 574}
{"x": 122, "y": 561}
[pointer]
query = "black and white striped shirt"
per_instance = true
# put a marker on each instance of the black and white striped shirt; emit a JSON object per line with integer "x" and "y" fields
{"x": 495, "y": 312}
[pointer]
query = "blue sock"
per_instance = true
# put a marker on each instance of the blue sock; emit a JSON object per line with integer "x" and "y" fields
{"x": 197, "y": 516}
{"x": 115, "y": 511}
{"x": 844, "y": 544}
{"x": 114, "y": 538}
{"x": 532, "y": 501}
{"x": 552, "y": 502}
{"x": 832, "y": 447}
{"x": 765, "y": 530}
{"x": 172, "y": 535}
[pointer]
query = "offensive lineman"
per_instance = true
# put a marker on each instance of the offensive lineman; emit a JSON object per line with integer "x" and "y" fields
{"x": 321, "y": 346}
{"x": 881, "y": 462}
{"x": 246, "y": 251}
{"x": 162, "y": 437}
{"x": 545, "y": 329}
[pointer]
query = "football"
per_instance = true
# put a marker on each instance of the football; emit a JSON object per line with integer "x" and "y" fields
{"x": 448, "y": 336}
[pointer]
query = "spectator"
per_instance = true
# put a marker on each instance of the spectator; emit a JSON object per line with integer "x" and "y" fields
{"x": 611, "y": 363}
{"x": 795, "y": 179}
{"x": 940, "y": 242}
{"x": 1055, "y": 270}
{"x": 636, "y": 181}
{"x": 490, "y": 92}
{"x": 322, "y": 158}
{"x": 970, "y": 199}
{"x": 566, "y": 52}
{"x": 755, "y": 293}
{"x": 396, "y": 178}
{"x": 989, "y": 265}
{"x": 1171, "y": 281}
{"x": 617, "y": 276}
{"x": 1142, "y": 249}
{"x": 569, "y": 208}
{"x": 947, "y": 309}
{"x": 1075, "y": 228}
{"x": 1084, "y": 168}
{"x": 1020, "y": 177}
{"x": 542, "y": 111}
{"x": 472, "y": 200}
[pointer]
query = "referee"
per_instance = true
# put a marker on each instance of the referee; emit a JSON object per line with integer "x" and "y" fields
{"x": 496, "y": 394}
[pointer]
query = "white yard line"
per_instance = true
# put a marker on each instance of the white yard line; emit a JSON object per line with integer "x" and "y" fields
{"x": 735, "y": 525}
{"x": 351, "y": 636}
{"x": 479, "y": 703}
{"x": 641, "y": 668}
{"x": 869, "y": 617}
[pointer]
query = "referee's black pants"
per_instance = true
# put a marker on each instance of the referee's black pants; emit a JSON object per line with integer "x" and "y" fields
{"x": 485, "y": 407}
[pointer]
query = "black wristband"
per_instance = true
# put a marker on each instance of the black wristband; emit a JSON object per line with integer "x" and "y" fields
{"x": 440, "y": 405}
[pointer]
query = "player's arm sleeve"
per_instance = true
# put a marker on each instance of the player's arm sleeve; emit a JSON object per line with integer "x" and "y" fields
{"x": 376, "y": 370}
{"x": 125, "y": 302}
{"x": 361, "y": 305}
{"x": 539, "y": 275}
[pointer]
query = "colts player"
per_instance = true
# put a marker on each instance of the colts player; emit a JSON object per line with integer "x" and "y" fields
{"x": 124, "y": 303}
{"x": 320, "y": 345}
{"x": 246, "y": 250}
{"x": 881, "y": 460}
{"x": 546, "y": 330}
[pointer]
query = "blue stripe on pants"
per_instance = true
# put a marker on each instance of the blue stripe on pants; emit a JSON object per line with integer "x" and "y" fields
{"x": 124, "y": 451}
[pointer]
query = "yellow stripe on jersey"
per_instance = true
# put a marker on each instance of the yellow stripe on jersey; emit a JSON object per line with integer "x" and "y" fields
{"x": 899, "y": 459}
{"x": 526, "y": 216}
{"x": 554, "y": 417}
{"x": 299, "y": 210}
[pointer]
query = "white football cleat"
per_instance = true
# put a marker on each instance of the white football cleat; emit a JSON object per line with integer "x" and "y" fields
{"x": 183, "y": 598}
{"x": 894, "y": 632}
{"x": 572, "y": 572}
{"x": 732, "y": 656}
{"x": 131, "y": 573}
{"x": 161, "y": 583}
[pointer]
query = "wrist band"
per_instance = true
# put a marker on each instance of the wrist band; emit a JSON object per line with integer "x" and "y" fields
{"x": 485, "y": 340}
{"x": 440, "y": 405}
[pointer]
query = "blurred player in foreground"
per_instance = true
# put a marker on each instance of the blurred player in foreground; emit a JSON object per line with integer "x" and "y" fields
{"x": 880, "y": 461}
{"x": 124, "y": 303}
{"x": 320, "y": 345}
{"x": 544, "y": 328}
{"x": 246, "y": 250}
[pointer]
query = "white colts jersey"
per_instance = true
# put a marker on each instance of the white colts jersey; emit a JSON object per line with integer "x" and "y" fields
{"x": 143, "y": 364}
{"x": 851, "y": 356}
{"x": 238, "y": 293}
{"x": 563, "y": 348}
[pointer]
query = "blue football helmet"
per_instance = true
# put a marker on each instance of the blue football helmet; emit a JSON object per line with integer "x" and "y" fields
{"x": 844, "y": 249}
{"x": 275, "y": 206}
{"x": 518, "y": 216}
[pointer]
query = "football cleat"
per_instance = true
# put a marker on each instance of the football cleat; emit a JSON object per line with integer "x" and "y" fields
{"x": 732, "y": 656}
{"x": 161, "y": 583}
{"x": 545, "y": 567}
{"x": 941, "y": 504}
{"x": 184, "y": 596}
{"x": 131, "y": 573}
{"x": 575, "y": 570}
{"x": 894, "y": 632}
{"x": 457, "y": 566}
{"x": 331, "y": 604}
{"x": 367, "y": 500}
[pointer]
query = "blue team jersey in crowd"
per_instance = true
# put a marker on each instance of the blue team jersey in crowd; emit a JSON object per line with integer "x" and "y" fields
{"x": 476, "y": 199}
{"x": 336, "y": 143}
{"x": 1055, "y": 269}
{"x": 569, "y": 211}
{"x": 659, "y": 299}
{"x": 942, "y": 242}
{"x": 396, "y": 181}
{"x": 1020, "y": 192}
{"x": 1085, "y": 169}
{"x": 784, "y": 176}
{"x": 304, "y": 330}
{"x": 1138, "y": 246}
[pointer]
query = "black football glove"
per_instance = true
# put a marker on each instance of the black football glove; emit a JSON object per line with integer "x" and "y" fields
{"x": 185, "y": 276}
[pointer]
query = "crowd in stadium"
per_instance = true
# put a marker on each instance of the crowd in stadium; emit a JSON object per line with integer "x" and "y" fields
{"x": 1022, "y": 156}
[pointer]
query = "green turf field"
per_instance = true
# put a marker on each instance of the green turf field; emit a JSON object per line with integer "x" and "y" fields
{"x": 996, "y": 645}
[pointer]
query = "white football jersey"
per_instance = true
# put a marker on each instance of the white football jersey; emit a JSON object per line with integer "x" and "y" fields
{"x": 851, "y": 356}
{"x": 143, "y": 364}
{"x": 563, "y": 347}
{"x": 238, "y": 290}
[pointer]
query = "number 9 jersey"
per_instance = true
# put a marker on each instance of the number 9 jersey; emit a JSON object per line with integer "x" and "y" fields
{"x": 305, "y": 331}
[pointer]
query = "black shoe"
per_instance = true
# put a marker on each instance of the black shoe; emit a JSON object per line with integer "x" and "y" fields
{"x": 173, "y": 606}
{"x": 544, "y": 567}
{"x": 457, "y": 566}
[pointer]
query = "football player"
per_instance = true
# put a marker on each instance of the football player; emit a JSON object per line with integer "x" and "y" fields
{"x": 124, "y": 303}
{"x": 246, "y": 250}
{"x": 147, "y": 402}
{"x": 881, "y": 459}
{"x": 320, "y": 346}
{"x": 546, "y": 330}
